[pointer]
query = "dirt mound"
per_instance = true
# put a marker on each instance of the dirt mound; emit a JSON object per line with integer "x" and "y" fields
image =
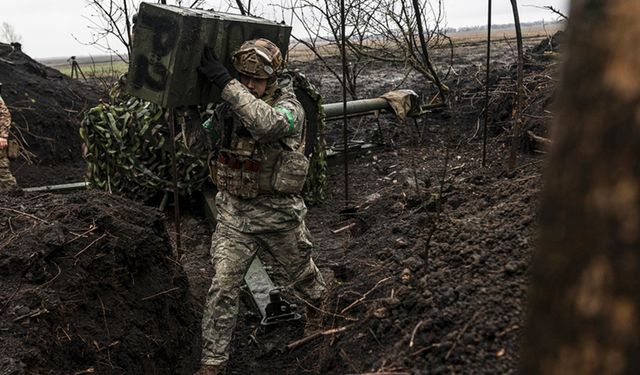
{"x": 88, "y": 284}
{"x": 427, "y": 266}
{"x": 550, "y": 44}
{"x": 426, "y": 293}
{"x": 540, "y": 70}
{"x": 46, "y": 107}
{"x": 431, "y": 277}
{"x": 429, "y": 262}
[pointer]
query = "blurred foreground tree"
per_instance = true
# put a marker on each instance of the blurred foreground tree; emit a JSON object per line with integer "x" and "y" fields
{"x": 8, "y": 34}
{"x": 584, "y": 301}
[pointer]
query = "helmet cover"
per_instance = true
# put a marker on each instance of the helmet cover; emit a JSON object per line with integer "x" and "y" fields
{"x": 258, "y": 58}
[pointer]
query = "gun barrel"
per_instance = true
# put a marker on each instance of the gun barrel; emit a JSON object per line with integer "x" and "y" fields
{"x": 333, "y": 111}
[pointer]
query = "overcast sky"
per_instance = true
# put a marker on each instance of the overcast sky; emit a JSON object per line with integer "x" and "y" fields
{"x": 59, "y": 28}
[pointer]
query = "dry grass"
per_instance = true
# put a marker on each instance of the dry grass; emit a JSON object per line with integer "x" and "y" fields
{"x": 502, "y": 33}
{"x": 299, "y": 52}
{"x": 115, "y": 68}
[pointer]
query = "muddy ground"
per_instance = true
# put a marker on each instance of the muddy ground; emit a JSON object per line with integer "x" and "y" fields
{"x": 429, "y": 277}
{"x": 46, "y": 107}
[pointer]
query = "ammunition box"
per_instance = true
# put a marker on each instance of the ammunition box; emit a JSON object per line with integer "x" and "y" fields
{"x": 168, "y": 45}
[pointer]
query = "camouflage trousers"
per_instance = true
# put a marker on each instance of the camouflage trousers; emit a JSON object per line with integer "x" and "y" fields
{"x": 7, "y": 180}
{"x": 232, "y": 253}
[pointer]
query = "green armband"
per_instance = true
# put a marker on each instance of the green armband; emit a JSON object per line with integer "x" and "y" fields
{"x": 209, "y": 126}
{"x": 287, "y": 113}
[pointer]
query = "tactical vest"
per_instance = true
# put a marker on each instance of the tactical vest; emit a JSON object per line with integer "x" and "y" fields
{"x": 247, "y": 168}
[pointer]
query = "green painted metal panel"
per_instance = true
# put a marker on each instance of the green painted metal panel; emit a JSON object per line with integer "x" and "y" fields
{"x": 168, "y": 45}
{"x": 259, "y": 284}
{"x": 63, "y": 188}
{"x": 355, "y": 107}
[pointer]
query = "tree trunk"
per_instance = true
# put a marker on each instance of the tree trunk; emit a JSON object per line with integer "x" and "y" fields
{"x": 516, "y": 131}
{"x": 584, "y": 300}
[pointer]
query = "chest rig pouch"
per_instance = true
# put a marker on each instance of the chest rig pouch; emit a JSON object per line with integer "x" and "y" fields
{"x": 246, "y": 169}
{"x": 290, "y": 172}
{"x": 236, "y": 171}
{"x": 277, "y": 171}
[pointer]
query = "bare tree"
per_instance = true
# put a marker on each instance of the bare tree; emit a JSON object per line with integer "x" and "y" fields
{"x": 243, "y": 11}
{"x": 584, "y": 300}
{"x": 112, "y": 19}
{"x": 406, "y": 31}
{"x": 516, "y": 131}
{"x": 558, "y": 12}
{"x": 384, "y": 30}
{"x": 9, "y": 35}
{"x": 553, "y": 10}
{"x": 321, "y": 23}
{"x": 111, "y": 23}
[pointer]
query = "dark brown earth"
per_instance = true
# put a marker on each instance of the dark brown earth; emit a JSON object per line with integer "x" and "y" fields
{"x": 88, "y": 283}
{"x": 430, "y": 278}
{"x": 47, "y": 108}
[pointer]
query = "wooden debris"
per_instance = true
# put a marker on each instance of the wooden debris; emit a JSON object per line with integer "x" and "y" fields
{"x": 305, "y": 340}
{"x": 364, "y": 296}
{"x": 349, "y": 226}
{"x": 160, "y": 293}
{"x": 543, "y": 142}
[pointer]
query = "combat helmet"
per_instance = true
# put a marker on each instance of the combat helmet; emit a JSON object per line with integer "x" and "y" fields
{"x": 258, "y": 58}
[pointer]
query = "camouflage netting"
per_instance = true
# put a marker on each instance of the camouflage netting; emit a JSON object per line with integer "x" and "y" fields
{"x": 128, "y": 151}
{"x": 316, "y": 186}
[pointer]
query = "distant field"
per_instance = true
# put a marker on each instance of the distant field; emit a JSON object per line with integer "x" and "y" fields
{"x": 504, "y": 33}
{"x": 299, "y": 52}
{"x": 111, "y": 66}
{"x": 115, "y": 68}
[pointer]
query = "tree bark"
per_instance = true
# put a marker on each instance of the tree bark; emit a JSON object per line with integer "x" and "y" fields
{"x": 584, "y": 299}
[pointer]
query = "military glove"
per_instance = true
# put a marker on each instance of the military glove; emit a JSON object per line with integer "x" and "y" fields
{"x": 213, "y": 69}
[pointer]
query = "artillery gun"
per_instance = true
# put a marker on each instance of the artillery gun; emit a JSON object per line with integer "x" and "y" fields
{"x": 126, "y": 145}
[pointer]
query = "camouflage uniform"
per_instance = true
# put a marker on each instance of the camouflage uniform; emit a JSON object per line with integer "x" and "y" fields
{"x": 7, "y": 180}
{"x": 270, "y": 221}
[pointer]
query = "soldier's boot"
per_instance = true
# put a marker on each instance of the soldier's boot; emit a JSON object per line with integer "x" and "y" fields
{"x": 211, "y": 370}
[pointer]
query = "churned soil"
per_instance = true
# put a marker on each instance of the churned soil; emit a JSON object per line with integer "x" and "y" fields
{"x": 46, "y": 107}
{"x": 426, "y": 259}
{"x": 88, "y": 284}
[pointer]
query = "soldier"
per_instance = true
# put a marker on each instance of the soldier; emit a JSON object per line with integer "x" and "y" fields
{"x": 259, "y": 171}
{"x": 7, "y": 181}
